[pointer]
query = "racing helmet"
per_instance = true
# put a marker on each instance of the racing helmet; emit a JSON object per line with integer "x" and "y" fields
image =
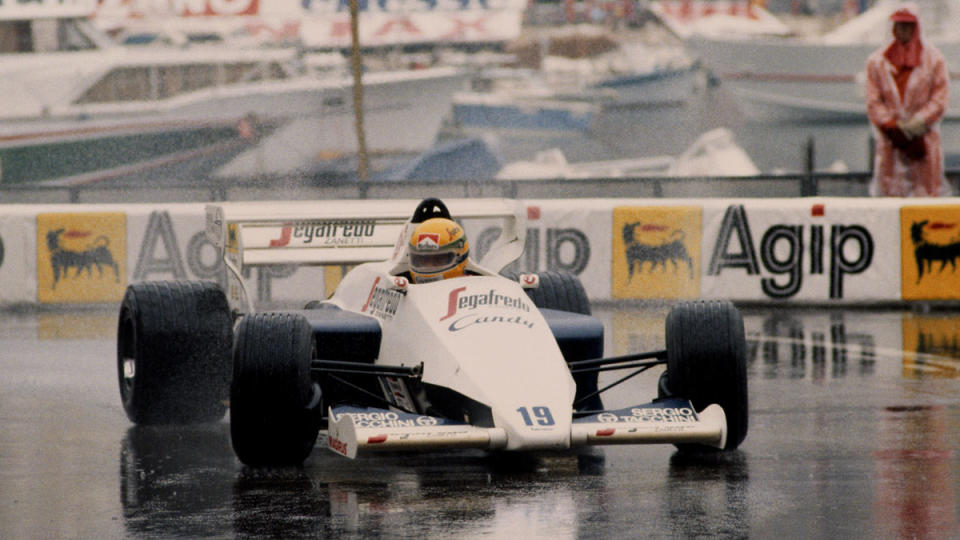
{"x": 438, "y": 250}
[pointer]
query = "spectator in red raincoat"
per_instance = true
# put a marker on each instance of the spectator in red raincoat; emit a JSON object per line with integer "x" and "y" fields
{"x": 907, "y": 94}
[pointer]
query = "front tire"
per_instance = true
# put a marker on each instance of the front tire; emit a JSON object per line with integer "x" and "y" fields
{"x": 562, "y": 291}
{"x": 706, "y": 363}
{"x": 173, "y": 352}
{"x": 270, "y": 422}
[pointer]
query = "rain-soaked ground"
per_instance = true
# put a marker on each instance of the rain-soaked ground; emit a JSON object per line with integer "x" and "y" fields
{"x": 854, "y": 433}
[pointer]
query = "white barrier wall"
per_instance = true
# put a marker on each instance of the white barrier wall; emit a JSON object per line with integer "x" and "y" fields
{"x": 18, "y": 259}
{"x": 803, "y": 250}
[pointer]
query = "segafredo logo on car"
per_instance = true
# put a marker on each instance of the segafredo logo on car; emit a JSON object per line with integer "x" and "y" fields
{"x": 327, "y": 233}
{"x": 672, "y": 412}
{"x": 459, "y": 302}
{"x": 382, "y": 302}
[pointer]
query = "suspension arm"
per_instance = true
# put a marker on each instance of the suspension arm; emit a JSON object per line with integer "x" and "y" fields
{"x": 645, "y": 359}
{"x": 337, "y": 366}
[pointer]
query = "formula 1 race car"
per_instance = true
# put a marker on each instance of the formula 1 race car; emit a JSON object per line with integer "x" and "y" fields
{"x": 491, "y": 361}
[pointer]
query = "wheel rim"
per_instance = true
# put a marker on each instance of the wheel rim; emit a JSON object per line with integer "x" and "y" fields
{"x": 129, "y": 370}
{"x": 127, "y": 361}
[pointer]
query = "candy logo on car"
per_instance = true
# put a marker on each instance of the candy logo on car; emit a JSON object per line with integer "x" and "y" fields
{"x": 474, "y": 319}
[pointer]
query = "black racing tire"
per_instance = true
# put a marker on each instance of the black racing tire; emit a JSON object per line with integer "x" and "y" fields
{"x": 706, "y": 363}
{"x": 270, "y": 422}
{"x": 562, "y": 291}
{"x": 173, "y": 352}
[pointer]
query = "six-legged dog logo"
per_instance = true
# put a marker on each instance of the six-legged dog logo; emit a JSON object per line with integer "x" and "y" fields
{"x": 926, "y": 253}
{"x": 638, "y": 253}
{"x": 96, "y": 253}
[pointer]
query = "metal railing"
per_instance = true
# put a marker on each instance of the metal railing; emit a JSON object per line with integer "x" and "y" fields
{"x": 300, "y": 187}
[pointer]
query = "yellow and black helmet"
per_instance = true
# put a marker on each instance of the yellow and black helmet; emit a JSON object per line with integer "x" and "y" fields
{"x": 438, "y": 250}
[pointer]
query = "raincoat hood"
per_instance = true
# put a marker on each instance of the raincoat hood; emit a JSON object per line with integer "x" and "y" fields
{"x": 905, "y": 55}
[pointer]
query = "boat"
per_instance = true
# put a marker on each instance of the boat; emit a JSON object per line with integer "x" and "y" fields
{"x": 469, "y": 159}
{"x": 634, "y": 75}
{"x": 519, "y": 100}
{"x": 582, "y": 73}
{"x": 821, "y": 77}
{"x": 79, "y": 108}
{"x": 714, "y": 153}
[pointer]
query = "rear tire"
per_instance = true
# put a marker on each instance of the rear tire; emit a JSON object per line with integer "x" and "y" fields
{"x": 173, "y": 352}
{"x": 270, "y": 423}
{"x": 706, "y": 363}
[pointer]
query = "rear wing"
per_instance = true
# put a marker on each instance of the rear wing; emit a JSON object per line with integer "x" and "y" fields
{"x": 340, "y": 232}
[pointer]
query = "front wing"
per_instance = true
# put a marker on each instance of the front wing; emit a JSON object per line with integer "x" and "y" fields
{"x": 354, "y": 430}
{"x": 672, "y": 421}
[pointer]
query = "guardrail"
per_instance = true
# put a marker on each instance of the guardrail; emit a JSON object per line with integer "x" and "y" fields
{"x": 803, "y": 250}
{"x": 300, "y": 187}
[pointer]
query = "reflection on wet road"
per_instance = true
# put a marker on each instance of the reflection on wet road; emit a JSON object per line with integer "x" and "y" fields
{"x": 854, "y": 432}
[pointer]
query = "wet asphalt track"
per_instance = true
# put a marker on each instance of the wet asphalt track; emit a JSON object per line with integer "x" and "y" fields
{"x": 850, "y": 437}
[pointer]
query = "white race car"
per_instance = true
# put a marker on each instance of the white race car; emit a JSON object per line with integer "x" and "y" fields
{"x": 481, "y": 361}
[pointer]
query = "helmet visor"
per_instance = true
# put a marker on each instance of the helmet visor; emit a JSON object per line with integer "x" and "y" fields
{"x": 430, "y": 263}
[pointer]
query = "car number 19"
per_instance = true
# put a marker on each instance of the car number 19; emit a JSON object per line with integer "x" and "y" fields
{"x": 540, "y": 416}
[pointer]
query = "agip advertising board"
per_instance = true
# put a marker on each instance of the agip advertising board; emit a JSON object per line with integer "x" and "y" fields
{"x": 803, "y": 250}
{"x": 808, "y": 250}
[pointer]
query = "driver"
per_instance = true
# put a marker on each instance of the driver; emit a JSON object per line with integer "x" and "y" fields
{"x": 438, "y": 250}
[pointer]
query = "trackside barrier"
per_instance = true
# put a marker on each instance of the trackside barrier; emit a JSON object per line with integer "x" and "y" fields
{"x": 300, "y": 188}
{"x": 297, "y": 187}
{"x": 797, "y": 250}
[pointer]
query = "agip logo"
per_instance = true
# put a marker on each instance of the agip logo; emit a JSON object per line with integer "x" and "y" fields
{"x": 930, "y": 252}
{"x": 656, "y": 252}
{"x": 81, "y": 257}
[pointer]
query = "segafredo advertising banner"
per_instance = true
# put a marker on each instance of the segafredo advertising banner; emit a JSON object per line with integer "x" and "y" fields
{"x": 811, "y": 250}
